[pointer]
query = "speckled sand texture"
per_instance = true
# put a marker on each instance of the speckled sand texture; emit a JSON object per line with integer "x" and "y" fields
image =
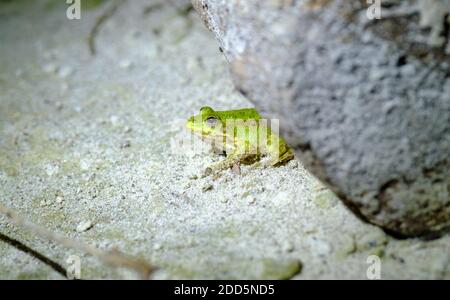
{"x": 87, "y": 149}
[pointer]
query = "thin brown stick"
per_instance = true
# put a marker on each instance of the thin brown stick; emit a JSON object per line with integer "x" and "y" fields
{"x": 113, "y": 258}
{"x": 98, "y": 24}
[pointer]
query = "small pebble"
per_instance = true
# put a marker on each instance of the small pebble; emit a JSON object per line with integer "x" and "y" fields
{"x": 192, "y": 64}
{"x": 207, "y": 187}
{"x": 59, "y": 105}
{"x": 294, "y": 164}
{"x": 251, "y": 199}
{"x": 348, "y": 247}
{"x": 50, "y": 68}
{"x": 51, "y": 170}
{"x": 84, "y": 226}
{"x": 125, "y": 144}
{"x": 125, "y": 64}
{"x": 59, "y": 199}
{"x": 65, "y": 72}
{"x": 85, "y": 164}
{"x": 236, "y": 169}
{"x": 372, "y": 239}
{"x": 287, "y": 246}
{"x": 114, "y": 119}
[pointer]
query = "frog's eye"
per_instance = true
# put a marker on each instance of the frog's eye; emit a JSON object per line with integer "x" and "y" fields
{"x": 211, "y": 121}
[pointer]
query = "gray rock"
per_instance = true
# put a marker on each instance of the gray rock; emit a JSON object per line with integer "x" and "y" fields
{"x": 366, "y": 103}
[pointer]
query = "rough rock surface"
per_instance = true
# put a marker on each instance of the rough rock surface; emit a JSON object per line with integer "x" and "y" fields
{"x": 365, "y": 102}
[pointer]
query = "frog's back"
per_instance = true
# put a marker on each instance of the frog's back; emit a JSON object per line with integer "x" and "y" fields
{"x": 242, "y": 114}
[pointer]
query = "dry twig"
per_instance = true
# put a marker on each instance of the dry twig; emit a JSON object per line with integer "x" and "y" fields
{"x": 113, "y": 258}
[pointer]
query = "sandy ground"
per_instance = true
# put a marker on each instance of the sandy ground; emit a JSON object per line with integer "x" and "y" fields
{"x": 91, "y": 141}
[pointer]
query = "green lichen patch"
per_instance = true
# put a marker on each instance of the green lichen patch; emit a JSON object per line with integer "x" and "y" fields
{"x": 325, "y": 199}
{"x": 238, "y": 267}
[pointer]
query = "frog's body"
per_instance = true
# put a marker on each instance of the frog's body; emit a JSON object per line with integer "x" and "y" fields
{"x": 242, "y": 134}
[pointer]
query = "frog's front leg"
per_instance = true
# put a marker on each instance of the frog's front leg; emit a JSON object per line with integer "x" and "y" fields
{"x": 232, "y": 159}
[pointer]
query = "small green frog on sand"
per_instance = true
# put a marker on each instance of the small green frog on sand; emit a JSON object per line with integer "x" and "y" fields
{"x": 243, "y": 135}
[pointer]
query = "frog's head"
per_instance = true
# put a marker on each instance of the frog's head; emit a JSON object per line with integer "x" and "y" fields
{"x": 207, "y": 123}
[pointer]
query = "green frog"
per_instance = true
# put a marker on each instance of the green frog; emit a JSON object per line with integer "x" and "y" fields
{"x": 242, "y": 135}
